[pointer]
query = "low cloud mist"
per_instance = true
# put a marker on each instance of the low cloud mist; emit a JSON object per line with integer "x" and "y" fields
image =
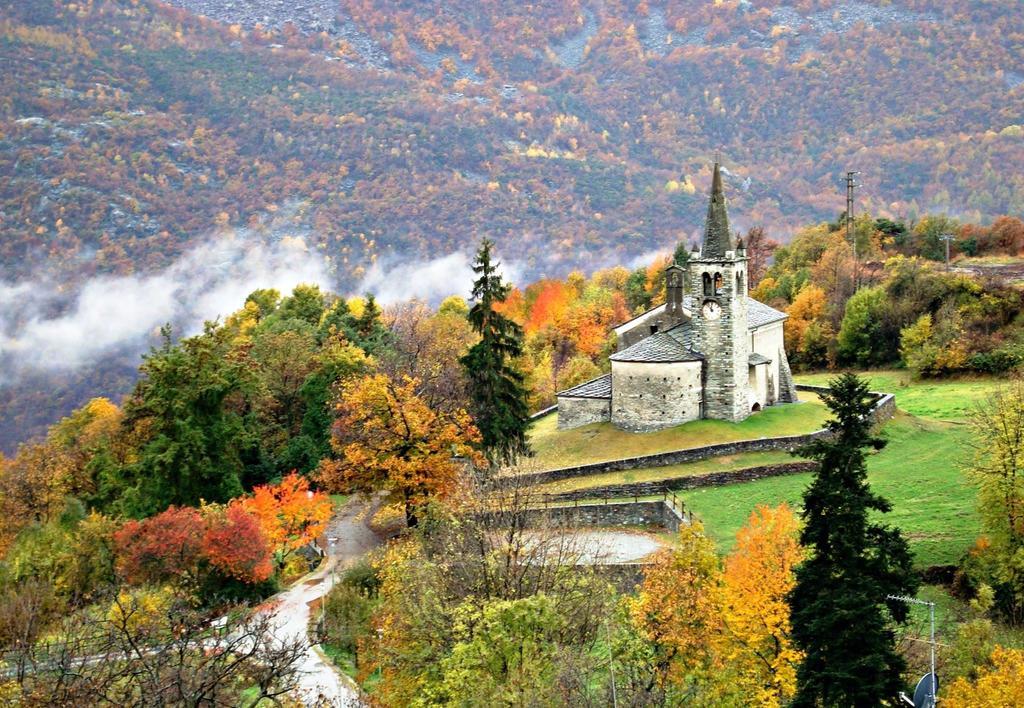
{"x": 41, "y": 329}
{"x": 431, "y": 281}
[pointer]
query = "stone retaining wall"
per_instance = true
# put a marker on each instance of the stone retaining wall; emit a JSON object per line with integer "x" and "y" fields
{"x": 711, "y": 479}
{"x": 645, "y": 513}
{"x": 884, "y": 408}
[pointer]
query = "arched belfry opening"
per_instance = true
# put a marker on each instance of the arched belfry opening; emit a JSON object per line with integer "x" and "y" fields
{"x": 707, "y": 284}
{"x": 739, "y": 283}
{"x": 718, "y": 283}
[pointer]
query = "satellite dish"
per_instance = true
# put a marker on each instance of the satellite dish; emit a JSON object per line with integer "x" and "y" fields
{"x": 923, "y": 697}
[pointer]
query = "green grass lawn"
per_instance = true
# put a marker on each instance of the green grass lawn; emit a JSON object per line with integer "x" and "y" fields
{"x": 919, "y": 472}
{"x": 652, "y": 474}
{"x": 599, "y": 442}
{"x": 942, "y": 399}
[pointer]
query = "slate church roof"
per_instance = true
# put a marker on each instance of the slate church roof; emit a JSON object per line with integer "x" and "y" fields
{"x": 601, "y": 387}
{"x": 674, "y": 344}
{"x": 759, "y": 314}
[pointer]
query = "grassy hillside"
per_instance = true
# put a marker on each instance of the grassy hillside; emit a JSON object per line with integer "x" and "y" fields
{"x": 598, "y": 442}
{"x": 920, "y": 471}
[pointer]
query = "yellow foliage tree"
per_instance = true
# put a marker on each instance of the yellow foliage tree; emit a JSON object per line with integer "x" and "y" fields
{"x": 758, "y": 576}
{"x": 388, "y": 438}
{"x": 808, "y": 306}
{"x": 1002, "y": 685}
{"x": 678, "y": 607}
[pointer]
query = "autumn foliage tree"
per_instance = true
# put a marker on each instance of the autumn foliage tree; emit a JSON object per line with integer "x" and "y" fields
{"x": 167, "y": 546}
{"x": 182, "y": 545}
{"x": 678, "y": 607}
{"x": 758, "y": 576}
{"x": 1001, "y": 684}
{"x": 290, "y": 514}
{"x": 387, "y": 437}
{"x": 235, "y": 544}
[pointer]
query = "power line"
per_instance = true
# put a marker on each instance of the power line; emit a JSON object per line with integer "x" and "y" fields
{"x": 850, "y": 236}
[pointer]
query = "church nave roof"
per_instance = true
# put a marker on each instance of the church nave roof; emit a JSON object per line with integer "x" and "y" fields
{"x": 675, "y": 344}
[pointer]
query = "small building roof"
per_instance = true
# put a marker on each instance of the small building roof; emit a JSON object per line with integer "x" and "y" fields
{"x": 755, "y": 359}
{"x": 601, "y": 387}
{"x": 672, "y": 345}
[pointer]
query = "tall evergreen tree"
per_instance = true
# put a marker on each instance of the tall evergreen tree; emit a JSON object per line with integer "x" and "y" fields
{"x": 190, "y": 410}
{"x": 495, "y": 384}
{"x": 841, "y": 618}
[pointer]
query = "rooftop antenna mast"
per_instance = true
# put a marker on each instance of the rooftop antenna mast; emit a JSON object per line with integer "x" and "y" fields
{"x": 850, "y": 186}
{"x": 928, "y": 688}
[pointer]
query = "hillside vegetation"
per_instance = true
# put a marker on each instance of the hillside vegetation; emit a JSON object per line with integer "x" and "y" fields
{"x": 580, "y": 133}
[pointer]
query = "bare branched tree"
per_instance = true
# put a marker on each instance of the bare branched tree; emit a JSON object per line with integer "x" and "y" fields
{"x": 137, "y": 657}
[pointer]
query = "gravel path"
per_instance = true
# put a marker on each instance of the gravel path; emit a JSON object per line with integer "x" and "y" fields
{"x": 616, "y": 546}
{"x": 321, "y": 684}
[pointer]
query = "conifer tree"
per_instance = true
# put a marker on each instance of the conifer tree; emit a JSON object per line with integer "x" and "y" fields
{"x": 495, "y": 384}
{"x": 841, "y": 619}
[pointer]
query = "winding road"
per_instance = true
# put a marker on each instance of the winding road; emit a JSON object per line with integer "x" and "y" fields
{"x": 321, "y": 684}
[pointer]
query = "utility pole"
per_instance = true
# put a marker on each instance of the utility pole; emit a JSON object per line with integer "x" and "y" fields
{"x": 850, "y": 185}
{"x": 947, "y": 238}
{"x": 611, "y": 664}
{"x": 931, "y": 612}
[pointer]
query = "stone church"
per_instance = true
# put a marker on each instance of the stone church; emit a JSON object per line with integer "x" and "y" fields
{"x": 709, "y": 351}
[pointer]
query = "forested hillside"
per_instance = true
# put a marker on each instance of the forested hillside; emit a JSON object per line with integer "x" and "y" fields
{"x": 130, "y": 127}
{"x": 140, "y": 139}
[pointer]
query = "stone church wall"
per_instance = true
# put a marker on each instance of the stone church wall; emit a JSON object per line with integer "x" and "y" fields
{"x": 574, "y": 412}
{"x": 650, "y": 396}
{"x": 768, "y": 341}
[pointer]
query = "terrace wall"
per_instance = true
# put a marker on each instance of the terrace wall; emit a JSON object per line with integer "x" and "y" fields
{"x": 884, "y": 408}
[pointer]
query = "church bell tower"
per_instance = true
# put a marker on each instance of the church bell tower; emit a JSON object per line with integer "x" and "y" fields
{"x": 718, "y": 283}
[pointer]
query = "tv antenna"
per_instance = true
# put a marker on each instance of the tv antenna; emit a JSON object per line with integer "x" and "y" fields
{"x": 928, "y": 686}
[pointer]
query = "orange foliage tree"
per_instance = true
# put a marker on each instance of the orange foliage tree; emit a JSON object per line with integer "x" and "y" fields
{"x": 289, "y": 513}
{"x": 758, "y": 576}
{"x": 167, "y": 546}
{"x": 235, "y": 544}
{"x": 387, "y": 437}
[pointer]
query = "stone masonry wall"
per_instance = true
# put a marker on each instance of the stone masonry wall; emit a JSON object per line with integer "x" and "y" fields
{"x": 650, "y": 396}
{"x": 646, "y": 513}
{"x": 711, "y": 479}
{"x": 574, "y": 412}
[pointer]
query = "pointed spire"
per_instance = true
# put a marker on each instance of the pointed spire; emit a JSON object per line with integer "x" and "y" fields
{"x": 717, "y": 237}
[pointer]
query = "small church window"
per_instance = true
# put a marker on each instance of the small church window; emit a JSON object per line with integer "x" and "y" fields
{"x": 654, "y": 329}
{"x": 718, "y": 283}
{"x": 707, "y": 284}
